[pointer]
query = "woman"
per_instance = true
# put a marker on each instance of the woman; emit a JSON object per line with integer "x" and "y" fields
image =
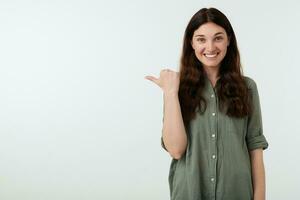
{"x": 212, "y": 124}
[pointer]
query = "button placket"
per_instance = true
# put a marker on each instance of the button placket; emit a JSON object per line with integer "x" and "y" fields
{"x": 212, "y": 99}
{"x": 213, "y": 135}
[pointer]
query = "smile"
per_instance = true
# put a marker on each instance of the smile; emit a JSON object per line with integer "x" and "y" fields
{"x": 211, "y": 55}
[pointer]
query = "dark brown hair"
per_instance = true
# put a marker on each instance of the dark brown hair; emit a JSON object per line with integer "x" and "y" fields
{"x": 231, "y": 87}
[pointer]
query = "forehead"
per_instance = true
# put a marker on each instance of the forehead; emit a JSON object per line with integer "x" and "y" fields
{"x": 209, "y": 29}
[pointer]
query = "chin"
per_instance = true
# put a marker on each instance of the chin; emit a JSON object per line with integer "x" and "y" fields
{"x": 212, "y": 65}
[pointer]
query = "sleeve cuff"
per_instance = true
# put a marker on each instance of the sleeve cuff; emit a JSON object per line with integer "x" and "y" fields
{"x": 257, "y": 142}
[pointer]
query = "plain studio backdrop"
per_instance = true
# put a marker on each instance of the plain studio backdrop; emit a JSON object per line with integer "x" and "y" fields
{"x": 79, "y": 121}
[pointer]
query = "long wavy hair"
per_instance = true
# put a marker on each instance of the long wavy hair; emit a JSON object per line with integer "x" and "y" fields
{"x": 231, "y": 87}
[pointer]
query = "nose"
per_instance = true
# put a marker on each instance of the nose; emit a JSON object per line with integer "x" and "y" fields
{"x": 210, "y": 46}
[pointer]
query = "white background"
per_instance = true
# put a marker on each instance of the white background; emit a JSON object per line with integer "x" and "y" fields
{"x": 79, "y": 121}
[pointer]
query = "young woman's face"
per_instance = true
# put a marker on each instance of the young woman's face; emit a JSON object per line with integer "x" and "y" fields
{"x": 210, "y": 43}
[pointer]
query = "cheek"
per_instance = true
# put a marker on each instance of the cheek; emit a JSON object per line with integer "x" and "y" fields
{"x": 223, "y": 47}
{"x": 199, "y": 50}
{"x": 224, "y": 50}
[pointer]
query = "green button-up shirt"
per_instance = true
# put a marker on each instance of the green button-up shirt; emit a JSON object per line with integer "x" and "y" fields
{"x": 216, "y": 164}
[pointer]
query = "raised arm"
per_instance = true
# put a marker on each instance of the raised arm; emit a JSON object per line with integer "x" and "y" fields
{"x": 173, "y": 132}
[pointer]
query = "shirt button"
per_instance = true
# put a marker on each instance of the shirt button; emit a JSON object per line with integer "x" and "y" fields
{"x": 212, "y": 179}
{"x": 213, "y": 114}
{"x": 212, "y": 96}
{"x": 213, "y": 135}
{"x": 213, "y": 156}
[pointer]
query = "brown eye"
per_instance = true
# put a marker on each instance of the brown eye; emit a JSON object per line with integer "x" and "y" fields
{"x": 219, "y": 38}
{"x": 201, "y": 40}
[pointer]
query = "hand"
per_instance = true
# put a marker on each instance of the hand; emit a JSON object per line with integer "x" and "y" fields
{"x": 168, "y": 81}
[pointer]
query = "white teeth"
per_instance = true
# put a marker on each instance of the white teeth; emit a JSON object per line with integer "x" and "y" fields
{"x": 211, "y": 55}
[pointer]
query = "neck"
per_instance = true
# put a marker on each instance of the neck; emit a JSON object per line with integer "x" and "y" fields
{"x": 212, "y": 74}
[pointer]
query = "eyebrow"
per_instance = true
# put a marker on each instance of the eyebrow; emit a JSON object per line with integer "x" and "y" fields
{"x": 218, "y": 33}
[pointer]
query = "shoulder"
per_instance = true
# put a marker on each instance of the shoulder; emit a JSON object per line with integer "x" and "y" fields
{"x": 251, "y": 84}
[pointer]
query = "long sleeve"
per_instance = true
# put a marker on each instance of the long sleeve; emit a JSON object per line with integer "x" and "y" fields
{"x": 255, "y": 138}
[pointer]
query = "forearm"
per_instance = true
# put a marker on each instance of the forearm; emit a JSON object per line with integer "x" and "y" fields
{"x": 174, "y": 134}
{"x": 258, "y": 174}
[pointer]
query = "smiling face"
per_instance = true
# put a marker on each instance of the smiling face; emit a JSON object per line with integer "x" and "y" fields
{"x": 210, "y": 43}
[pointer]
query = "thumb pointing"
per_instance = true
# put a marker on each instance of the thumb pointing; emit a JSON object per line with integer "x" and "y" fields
{"x": 152, "y": 78}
